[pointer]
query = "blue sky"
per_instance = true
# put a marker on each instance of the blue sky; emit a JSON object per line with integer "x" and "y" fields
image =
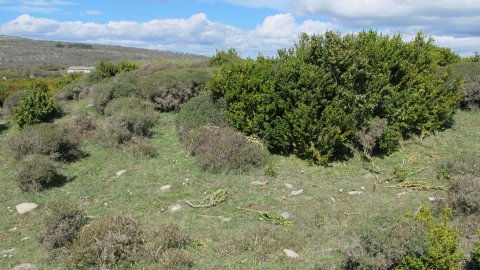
{"x": 250, "y": 26}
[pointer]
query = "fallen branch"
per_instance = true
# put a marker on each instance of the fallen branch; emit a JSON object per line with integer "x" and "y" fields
{"x": 211, "y": 200}
{"x": 417, "y": 185}
{"x": 277, "y": 220}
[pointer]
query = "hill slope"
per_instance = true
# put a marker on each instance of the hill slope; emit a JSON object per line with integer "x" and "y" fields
{"x": 18, "y": 52}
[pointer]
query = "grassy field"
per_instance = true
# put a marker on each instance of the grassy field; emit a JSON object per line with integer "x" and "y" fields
{"x": 327, "y": 219}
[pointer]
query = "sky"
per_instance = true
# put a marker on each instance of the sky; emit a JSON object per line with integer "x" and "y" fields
{"x": 251, "y": 26}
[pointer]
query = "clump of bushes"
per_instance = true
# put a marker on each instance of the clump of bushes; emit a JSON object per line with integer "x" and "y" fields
{"x": 310, "y": 100}
{"x": 127, "y": 103}
{"x": 168, "y": 90}
{"x": 45, "y": 139}
{"x": 37, "y": 172}
{"x": 74, "y": 91}
{"x": 106, "y": 92}
{"x": 35, "y": 107}
{"x": 13, "y": 100}
{"x": 141, "y": 147}
{"x": 61, "y": 226}
{"x": 123, "y": 126}
{"x": 127, "y": 66}
{"x": 82, "y": 124}
{"x": 222, "y": 148}
{"x": 112, "y": 241}
{"x": 200, "y": 111}
{"x": 426, "y": 241}
{"x": 464, "y": 195}
{"x": 174, "y": 259}
{"x": 104, "y": 70}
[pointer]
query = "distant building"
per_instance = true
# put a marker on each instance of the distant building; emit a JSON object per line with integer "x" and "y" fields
{"x": 80, "y": 69}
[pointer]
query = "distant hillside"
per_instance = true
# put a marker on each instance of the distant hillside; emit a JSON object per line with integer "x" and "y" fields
{"x": 18, "y": 52}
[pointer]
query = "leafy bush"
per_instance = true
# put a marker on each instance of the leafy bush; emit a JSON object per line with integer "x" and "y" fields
{"x": 387, "y": 245}
{"x": 106, "y": 92}
{"x": 82, "y": 124}
{"x": 170, "y": 89}
{"x": 222, "y": 148}
{"x": 106, "y": 69}
{"x": 36, "y": 172}
{"x": 61, "y": 226}
{"x": 475, "y": 258}
{"x": 127, "y": 103}
{"x": 36, "y": 106}
{"x": 13, "y": 100}
{"x": 112, "y": 241}
{"x": 127, "y": 66}
{"x": 45, "y": 139}
{"x": 221, "y": 57}
{"x": 200, "y": 111}
{"x": 74, "y": 91}
{"x": 311, "y": 99}
{"x": 464, "y": 195}
{"x": 123, "y": 126}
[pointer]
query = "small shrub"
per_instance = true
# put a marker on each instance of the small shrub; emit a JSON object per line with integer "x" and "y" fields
{"x": 142, "y": 148}
{"x": 13, "y": 100}
{"x": 475, "y": 258}
{"x": 200, "y": 111}
{"x": 127, "y": 66}
{"x": 82, "y": 124}
{"x": 37, "y": 172}
{"x": 467, "y": 164}
{"x": 106, "y": 69}
{"x": 464, "y": 195}
{"x": 74, "y": 91}
{"x": 123, "y": 126}
{"x": 106, "y": 92}
{"x": 61, "y": 226}
{"x": 127, "y": 103}
{"x": 45, "y": 139}
{"x": 369, "y": 136}
{"x": 174, "y": 259}
{"x": 171, "y": 236}
{"x": 471, "y": 92}
{"x": 112, "y": 241}
{"x": 36, "y": 106}
{"x": 222, "y": 58}
{"x": 220, "y": 148}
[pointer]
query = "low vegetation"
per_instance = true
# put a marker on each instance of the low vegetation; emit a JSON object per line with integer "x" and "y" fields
{"x": 37, "y": 172}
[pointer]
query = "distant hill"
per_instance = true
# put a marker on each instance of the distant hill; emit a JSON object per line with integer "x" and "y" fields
{"x": 19, "y": 52}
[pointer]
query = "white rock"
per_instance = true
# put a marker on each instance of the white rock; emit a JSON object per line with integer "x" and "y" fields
{"x": 23, "y": 266}
{"x": 333, "y": 199}
{"x": 341, "y": 190}
{"x": 25, "y": 239}
{"x": 355, "y": 192}
{"x": 289, "y": 186}
{"x": 260, "y": 183}
{"x": 402, "y": 193}
{"x": 25, "y": 207}
{"x": 432, "y": 199}
{"x": 286, "y": 215}
{"x": 291, "y": 254}
{"x": 119, "y": 173}
{"x": 175, "y": 208}
{"x": 166, "y": 187}
{"x": 296, "y": 192}
{"x": 225, "y": 219}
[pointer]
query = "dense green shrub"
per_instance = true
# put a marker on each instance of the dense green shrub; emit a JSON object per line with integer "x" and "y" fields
{"x": 221, "y": 57}
{"x": 464, "y": 195}
{"x": 170, "y": 89}
{"x": 13, "y": 100}
{"x": 200, "y": 111}
{"x": 45, "y": 139}
{"x": 222, "y": 148}
{"x": 61, "y": 226}
{"x": 106, "y": 69}
{"x": 108, "y": 242}
{"x": 475, "y": 258}
{"x": 36, "y": 172}
{"x": 106, "y": 92}
{"x": 127, "y": 66}
{"x": 123, "y": 126}
{"x": 35, "y": 107}
{"x": 313, "y": 98}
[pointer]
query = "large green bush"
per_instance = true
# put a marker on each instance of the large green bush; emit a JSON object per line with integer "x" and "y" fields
{"x": 313, "y": 98}
{"x": 107, "y": 91}
{"x": 35, "y": 107}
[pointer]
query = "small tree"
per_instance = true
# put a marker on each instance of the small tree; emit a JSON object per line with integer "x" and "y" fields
{"x": 127, "y": 66}
{"x": 37, "y": 106}
{"x": 106, "y": 69}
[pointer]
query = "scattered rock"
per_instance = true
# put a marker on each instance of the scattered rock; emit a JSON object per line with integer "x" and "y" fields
{"x": 340, "y": 190}
{"x": 333, "y": 199}
{"x": 286, "y": 215}
{"x": 355, "y": 192}
{"x": 260, "y": 183}
{"x": 8, "y": 252}
{"x": 432, "y": 199}
{"x": 296, "y": 192}
{"x": 225, "y": 219}
{"x": 289, "y": 186}
{"x": 25, "y": 239}
{"x": 13, "y": 229}
{"x": 119, "y": 173}
{"x": 291, "y": 254}
{"x": 23, "y": 266}
{"x": 25, "y": 207}
{"x": 166, "y": 187}
{"x": 89, "y": 105}
{"x": 402, "y": 193}
{"x": 175, "y": 208}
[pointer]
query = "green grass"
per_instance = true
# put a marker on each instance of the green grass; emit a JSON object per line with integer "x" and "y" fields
{"x": 326, "y": 221}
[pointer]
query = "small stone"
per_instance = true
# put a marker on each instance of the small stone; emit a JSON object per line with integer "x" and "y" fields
{"x": 286, "y": 215}
{"x": 25, "y": 207}
{"x": 225, "y": 219}
{"x": 25, "y": 239}
{"x": 23, "y": 266}
{"x": 260, "y": 183}
{"x": 432, "y": 199}
{"x": 89, "y": 105}
{"x": 296, "y": 192}
{"x": 119, "y": 173}
{"x": 302, "y": 172}
{"x": 332, "y": 199}
{"x": 13, "y": 229}
{"x": 355, "y": 192}
{"x": 289, "y": 186}
{"x": 362, "y": 188}
{"x": 291, "y": 254}
{"x": 175, "y": 208}
{"x": 8, "y": 251}
{"x": 341, "y": 190}
{"x": 402, "y": 194}
{"x": 165, "y": 187}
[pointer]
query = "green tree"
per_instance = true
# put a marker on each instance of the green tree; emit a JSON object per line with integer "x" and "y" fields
{"x": 36, "y": 106}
